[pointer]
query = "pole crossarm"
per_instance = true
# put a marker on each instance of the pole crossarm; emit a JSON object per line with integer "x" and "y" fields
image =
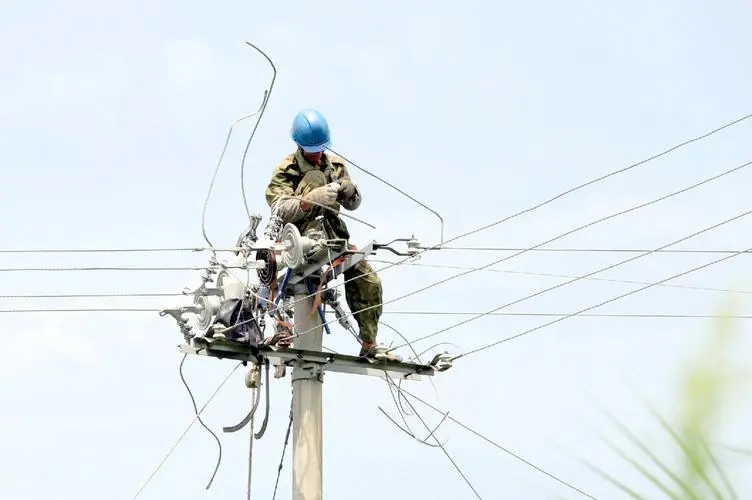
{"x": 340, "y": 363}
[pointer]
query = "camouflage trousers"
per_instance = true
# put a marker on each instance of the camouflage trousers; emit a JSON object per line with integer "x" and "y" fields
{"x": 363, "y": 288}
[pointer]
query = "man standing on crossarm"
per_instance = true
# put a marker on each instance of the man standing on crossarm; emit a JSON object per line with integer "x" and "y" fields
{"x": 313, "y": 175}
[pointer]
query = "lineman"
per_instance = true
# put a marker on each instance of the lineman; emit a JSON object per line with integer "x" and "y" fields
{"x": 311, "y": 174}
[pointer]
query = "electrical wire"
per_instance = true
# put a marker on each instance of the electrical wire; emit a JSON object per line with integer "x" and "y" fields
{"x": 552, "y": 275}
{"x": 579, "y": 228}
{"x": 111, "y": 250}
{"x": 89, "y": 295}
{"x": 80, "y": 309}
{"x": 594, "y": 315}
{"x": 267, "y": 95}
{"x": 564, "y": 193}
{"x": 589, "y": 250}
{"x": 121, "y": 268}
{"x": 603, "y": 177}
{"x": 442, "y": 447}
{"x": 180, "y": 438}
{"x": 284, "y": 448}
{"x": 612, "y": 266}
{"x": 717, "y": 261}
{"x": 500, "y": 447}
{"x": 422, "y": 313}
{"x": 211, "y": 248}
{"x": 219, "y": 164}
{"x": 441, "y": 219}
{"x": 200, "y": 421}
{"x": 250, "y": 450}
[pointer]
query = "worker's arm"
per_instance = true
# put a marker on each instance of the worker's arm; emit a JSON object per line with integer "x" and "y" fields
{"x": 281, "y": 185}
{"x": 349, "y": 194}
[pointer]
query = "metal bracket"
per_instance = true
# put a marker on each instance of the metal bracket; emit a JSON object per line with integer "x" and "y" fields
{"x": 342, "y": 363}
{"x": 308, "y": 371}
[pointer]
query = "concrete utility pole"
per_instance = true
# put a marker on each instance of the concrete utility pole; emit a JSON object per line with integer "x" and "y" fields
{"x": 307, "y": 381}
{"x": 305, "y": 258}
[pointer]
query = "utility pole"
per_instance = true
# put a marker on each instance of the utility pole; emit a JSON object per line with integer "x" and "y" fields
{"x": 290, "y": 265}
{"x": 307, "y": 382}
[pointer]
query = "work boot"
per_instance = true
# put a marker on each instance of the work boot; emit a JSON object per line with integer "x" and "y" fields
{"x": 378, "y": 352}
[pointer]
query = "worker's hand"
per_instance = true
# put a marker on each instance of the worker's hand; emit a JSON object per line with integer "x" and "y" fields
{"x": 347, "y": 188}
{"x": 324, "y": 195}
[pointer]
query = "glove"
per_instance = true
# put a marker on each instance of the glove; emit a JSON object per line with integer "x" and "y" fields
{"x": 324, "y": 195}
{"x": 347, "y": 189}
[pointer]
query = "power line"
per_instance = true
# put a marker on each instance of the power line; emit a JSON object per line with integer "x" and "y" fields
{"x": 717, "y": 261}
{"x": 571, "y": 231}
{"x": 180, "y": 438}
{"x": 114, "y": 250}
{"x": 697, "y": 233}
{"x": 591, "y": 250}
{"x": 594, "y": 315}
{"x": 603, "y": 177}
{"x": 419, "y": 313}
{"x": 82, "y": 309}
{"x": 90, "y": 295}
{"x": 498, "y": 446}
{"x": 106, "y": 268}
{"x": 211, "y": 248}
{"x": 590, "y": 278}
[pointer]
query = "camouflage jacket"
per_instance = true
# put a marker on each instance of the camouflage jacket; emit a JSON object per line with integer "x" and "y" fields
{"x": 285, "y": 179}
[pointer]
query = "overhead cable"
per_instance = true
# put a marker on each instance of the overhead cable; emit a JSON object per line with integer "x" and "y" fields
{"x": 438, "y": 216}
{"x": 594, "y": 315}
{"x": 267, "y": 96}
{"x": 560, "y": 195}
{"x": 571, "y": 231}
{"x": 219, "y": 164}
{"x": 717, "y": 261}
{"x": 588, "y": 250}
{"x": 601, "y": 178}
{"x": 553, "y": 275}
{"x": 600, "y": 270}
{"x": 106, "y": 268}
{"x": 180, "y": 438}
{"x": 414, "y": 313}
{"x": 468, "y": 249}
{"x": 498, "y": 446}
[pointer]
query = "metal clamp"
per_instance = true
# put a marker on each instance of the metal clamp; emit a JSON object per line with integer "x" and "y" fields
{"x": 441, "y": 362}
{"x": 308, "y": 371}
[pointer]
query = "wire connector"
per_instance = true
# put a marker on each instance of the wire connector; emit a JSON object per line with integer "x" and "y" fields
{"x": 441, "y": 362}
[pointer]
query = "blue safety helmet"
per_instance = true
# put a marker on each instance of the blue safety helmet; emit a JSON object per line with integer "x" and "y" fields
{"x": 310, "y": 131}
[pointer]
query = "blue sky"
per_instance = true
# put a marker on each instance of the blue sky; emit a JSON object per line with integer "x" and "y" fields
{"x": 112, "y": 119}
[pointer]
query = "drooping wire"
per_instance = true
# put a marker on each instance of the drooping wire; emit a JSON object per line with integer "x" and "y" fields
{"x": 284, "y": 447}
{"x": 500, "y": 447}
{"x": 250, "y": 450}
{"x": 219, "y": 164}
{"x": 600, "y": 270}
{"x": 267, "y": 95}
{"x": 195, "y": 410}
{"x": 441, "y": 446}
{"x": 180, "y": 438}
{"x": 717, "y": 261}
{"x": 438, "y": 216}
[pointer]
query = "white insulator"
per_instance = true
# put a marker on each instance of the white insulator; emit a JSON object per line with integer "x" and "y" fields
{"x": 208, "y": 307}
{"x": 295, "y": 247}
{"x": 231, "y": 286}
